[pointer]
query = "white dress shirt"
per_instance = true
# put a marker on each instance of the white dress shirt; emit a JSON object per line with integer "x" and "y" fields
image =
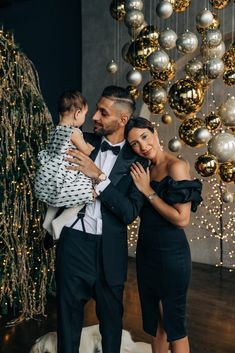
{"x": 93, "y": 218}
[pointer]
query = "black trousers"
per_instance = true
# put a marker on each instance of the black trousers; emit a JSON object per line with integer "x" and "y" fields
{"x": 80, "y": 277}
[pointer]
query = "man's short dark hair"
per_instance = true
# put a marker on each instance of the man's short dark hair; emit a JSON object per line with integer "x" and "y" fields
{"x": 119, "y": 95}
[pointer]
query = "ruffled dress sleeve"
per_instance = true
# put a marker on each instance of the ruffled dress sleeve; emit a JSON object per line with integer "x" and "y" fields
{"x": 173, "y": 191}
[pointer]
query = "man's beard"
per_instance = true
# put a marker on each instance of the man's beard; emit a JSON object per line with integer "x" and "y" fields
{"x": 99, "y": 131}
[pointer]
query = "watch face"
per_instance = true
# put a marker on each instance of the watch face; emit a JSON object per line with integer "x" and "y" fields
{"x": 102, "y": 177}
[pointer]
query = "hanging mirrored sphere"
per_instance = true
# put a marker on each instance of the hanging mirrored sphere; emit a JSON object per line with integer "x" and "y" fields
{"x": 187, "y": 130}
{"x": 112, "y": 67}
{"x": 213, "y": 37}
{"x": 134, "y": 92}
{"x": 215, "y": 24}
{"x": 213, "y": 68}
{"x": 204, "y": 18}
{"x": 227, "y": 172}
{"x": 158, "y": 60}
{"x": 134, "y": 32}
{"x": 194, "y": 68}
{"x": 227, "y": 112}
{"x": 166, "y": 119}
{"x": 229, "y": 77}
{"x": 206, "y": 165}
{"x": 215, "y": 52}
{"x": 174, "y": 144}
{"x": 167, "y": 74}
{"x": 187, "y": 42}
{"x": 134, "y": 77}
{"x": 138, "y": 53}
{"x": 180, "y": 5}
{"x": 167, "y": 39}
{"x": 212, "y": 121}
{"x": 156, "y": 108}
{"x": 151, "y": 33}
{"x": 134, "y": 19}
{"x": 164, "y": 9}
{"x": 227, "y": 197}
{"x": 133, "y": 5}
{"x": 117, "y": 10}
{"x": 154, "y": 93}
{"x": 229, "y": 57}
{"x": 222, "y": 146}
{"x": 202, "y": 135}
{"x": 219, "y": 4}
{"x": 185, "y": 97}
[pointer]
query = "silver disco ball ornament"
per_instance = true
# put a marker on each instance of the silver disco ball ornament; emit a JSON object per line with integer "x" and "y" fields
{"x": 164, "y": 9}
{"x": 158, "y": 60}
{"x": 167, "y": 39}
{"x": 228, "y": 197}
{"x": 187, "y": 42}
{"x": 175, "y": 144}
{"x": 227, "y": 112}
{"x": 213, "y": 37}
{"x": 134, "y": 19}
{"x": 133, "y": 5}
{"x": 215, "y": 52}
{"x": 112, "y": 67}
{"x": 134, "y": 77}
{"x": 202, "y": 135}
{"x": 222, "y": 146}
{"x": 204, "y": 18}
{"x": 194, "y": 68}
{"x": 213, "y": 68}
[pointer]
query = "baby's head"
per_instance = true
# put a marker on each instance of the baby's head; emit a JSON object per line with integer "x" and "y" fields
{"x": 72, "y": 108}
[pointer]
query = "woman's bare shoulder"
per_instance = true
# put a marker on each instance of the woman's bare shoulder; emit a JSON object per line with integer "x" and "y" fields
{"x": 179, "y": 169}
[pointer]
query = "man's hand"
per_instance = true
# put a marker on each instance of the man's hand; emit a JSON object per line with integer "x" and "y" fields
{"x": 82, "y": 163}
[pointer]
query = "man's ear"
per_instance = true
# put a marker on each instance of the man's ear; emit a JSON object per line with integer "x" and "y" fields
{"x": 124, "y": 119}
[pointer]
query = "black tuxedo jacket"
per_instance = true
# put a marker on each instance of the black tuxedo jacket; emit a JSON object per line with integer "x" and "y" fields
{"x": 120, "y": 205}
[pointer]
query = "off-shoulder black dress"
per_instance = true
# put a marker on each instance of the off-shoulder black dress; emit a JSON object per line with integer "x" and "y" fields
{"x": 163, "y": 260}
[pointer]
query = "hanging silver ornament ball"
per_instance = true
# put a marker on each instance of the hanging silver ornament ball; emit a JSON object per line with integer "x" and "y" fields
{"x": 134, "y": 32}
{"x": 194, "y": 68}
{"x": 158, "y": 60}
{"x": 187, "y": 42}
{"x": 213, "y": 37}
{"x": 134, "y": 19}
{"x": 166, "y": 119}
{"x": 167, "y": 39}
{"x": 158, "y": 95}
{"x": 222, "y": 146}
{"x": 133, "y": 5}
{"x": 213, "y": 68}
{"x": 134, "y": 77}
{"x": 202, "y": 135}
{"x": 215, "y": 52}
{"x": 174, "y": 144}
{"x": 227, "y": 112}
{"x": 112, "y": 67}
{"x": 164, "y": 9}
{"x": 227, "y": 197}
{"x": 204, "y": 18}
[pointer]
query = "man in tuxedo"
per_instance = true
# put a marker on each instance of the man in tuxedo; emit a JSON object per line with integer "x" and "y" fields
{"x": 92, "y": 252}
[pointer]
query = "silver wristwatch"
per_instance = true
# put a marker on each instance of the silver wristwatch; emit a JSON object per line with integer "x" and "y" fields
{"x": 151, "y": 196}
{"x": 101, "y": 177}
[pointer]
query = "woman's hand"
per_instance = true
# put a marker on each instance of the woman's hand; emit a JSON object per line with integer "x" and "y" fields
{"x": 141, "y": 178}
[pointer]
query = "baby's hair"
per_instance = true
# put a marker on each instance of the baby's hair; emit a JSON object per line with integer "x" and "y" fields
{"x": 139, "y": 123}
{"x": 69, "y": 100}
{"x": 120, "y": 95}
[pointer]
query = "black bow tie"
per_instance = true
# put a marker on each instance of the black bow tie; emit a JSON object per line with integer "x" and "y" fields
{"x": 105, "y": 146}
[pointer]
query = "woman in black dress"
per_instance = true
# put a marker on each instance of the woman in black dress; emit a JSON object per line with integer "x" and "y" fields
{"x": 163, "y": 254}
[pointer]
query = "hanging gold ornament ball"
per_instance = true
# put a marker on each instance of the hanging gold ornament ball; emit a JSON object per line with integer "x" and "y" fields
{"x": 167, "y": 74}
{"x": 151, "y": 33}
{"x": 227, "y": 197}
{"x": 212, "y": 121}
{"x": 138, "y": 53}
{"x": 229, "y": 77}
{"x": 117, "y": 9}
{"x": 186, "y": 97}
{"x": 227, "y": 172}
{"x": 112, "y": 67}
{"x": 134, "y": 92}
{"x": 187, "y": 130}
{"x": 206, "y": 165}
{"x": 154, "y": 93}
{"x": 214, "y": 25}
{"x": 166, "y": 119}
{"x": 156, "y": 108}
{"x": 229, "y": 57}
{"x": 180, "y": 5}
{"x": 219, "y": 4}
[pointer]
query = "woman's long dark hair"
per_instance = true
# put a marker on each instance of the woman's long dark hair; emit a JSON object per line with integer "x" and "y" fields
{"x": 139, "y": 123}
